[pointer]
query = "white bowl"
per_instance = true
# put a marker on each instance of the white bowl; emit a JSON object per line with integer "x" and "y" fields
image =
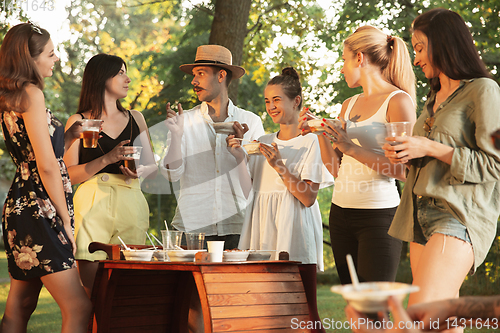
{"x": 224, "y": 128}
{"x": 254, "y": 147}
{"x": 316, "y": 128}
{"x": 159, "y": 255}
{"x": 259, "y": 255}
{"x": 138, "y": 255}
{"x": 182, "y": 255}
{"x": 235, "y": 255}
{"x": 372, "y": 296}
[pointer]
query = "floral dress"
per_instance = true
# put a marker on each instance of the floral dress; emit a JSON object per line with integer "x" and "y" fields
{"x": 35, "y": 240}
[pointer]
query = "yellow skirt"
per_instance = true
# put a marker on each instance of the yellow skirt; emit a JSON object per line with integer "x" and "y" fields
{"x": 108, "y": 206}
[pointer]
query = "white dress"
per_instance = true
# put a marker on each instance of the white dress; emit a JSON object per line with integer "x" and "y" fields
{"x": 276, "y": 220}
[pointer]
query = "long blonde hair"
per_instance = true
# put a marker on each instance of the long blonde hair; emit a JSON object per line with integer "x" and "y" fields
{"x": 387, "y": 52}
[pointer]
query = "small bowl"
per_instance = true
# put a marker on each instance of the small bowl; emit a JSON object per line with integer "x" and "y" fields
{"x": 182, "y": 255}
{"x": 159, "y": 255}
{"x": 224, "y": 128}
{"x": 254, "y": 147}
{"x": 236, "y": 255}
{"x": 138, "y": 255}
{"x": 372, "y": 296}
{"x": 260, "y": 255}
{"x": 316, "y": 128}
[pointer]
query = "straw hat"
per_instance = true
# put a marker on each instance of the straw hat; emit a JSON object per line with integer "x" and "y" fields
{"x": 214, "y": 55}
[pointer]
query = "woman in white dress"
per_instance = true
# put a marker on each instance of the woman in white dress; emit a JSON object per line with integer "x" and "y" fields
{"x": 285, "y": 177}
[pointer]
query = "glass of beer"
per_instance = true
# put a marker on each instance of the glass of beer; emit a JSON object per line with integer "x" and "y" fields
{"x": 90, "y": 135}
{"x": 132, "y": 164}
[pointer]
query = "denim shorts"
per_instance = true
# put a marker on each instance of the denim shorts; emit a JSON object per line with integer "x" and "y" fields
{"x": 433, "y": 217}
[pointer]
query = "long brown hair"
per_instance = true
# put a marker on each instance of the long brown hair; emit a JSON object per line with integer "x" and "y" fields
{"x": 389, "y": 53}
{"x": 98, "y": 70}
{"x": 450, "y": 46}
{"x": 21, "y": 46}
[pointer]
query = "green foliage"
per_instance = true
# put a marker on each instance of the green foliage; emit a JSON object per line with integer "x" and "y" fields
{"x": 396, "y": 17}
{"x": 485, "y": 280}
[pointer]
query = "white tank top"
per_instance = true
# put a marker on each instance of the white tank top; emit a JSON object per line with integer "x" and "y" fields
{"x": 358, "y": 186}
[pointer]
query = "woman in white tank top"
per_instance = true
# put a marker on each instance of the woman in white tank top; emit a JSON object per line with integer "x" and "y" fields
{"x": 365, "y": 194}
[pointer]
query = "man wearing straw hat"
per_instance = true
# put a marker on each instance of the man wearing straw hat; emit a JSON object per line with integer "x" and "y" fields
{"x": 209, "y": 197}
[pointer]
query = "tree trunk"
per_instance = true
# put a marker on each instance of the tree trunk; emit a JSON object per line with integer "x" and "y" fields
{"x": 229, "y": 29}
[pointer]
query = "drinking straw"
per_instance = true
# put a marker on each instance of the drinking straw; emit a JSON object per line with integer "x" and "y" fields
{"x": 125, "y": 245}
{"x": 168, "y": 234}
{"x": 157, "y": 240}
{"x": 352, "y": 272}
{"x": 151, "y": 241}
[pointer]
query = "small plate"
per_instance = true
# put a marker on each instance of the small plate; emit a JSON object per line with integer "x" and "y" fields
{"x": 235, "y": 255}
{"x": 372, "y": 296}
{"x": 182, "y": 255}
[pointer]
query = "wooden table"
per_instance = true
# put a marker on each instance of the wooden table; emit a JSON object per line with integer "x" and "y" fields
{"x": 142, "y": 297}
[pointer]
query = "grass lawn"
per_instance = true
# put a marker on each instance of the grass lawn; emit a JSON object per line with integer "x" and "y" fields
{"x": 47, "y": 317}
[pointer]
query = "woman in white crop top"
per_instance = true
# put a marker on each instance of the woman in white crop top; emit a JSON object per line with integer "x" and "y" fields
{"x": 365, "y": 195}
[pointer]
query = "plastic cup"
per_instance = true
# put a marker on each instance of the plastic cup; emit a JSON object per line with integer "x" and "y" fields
{"x": 174, "y": 240}
{"x": 216, "y": 250}
{"x": 132, "y": 164}
{"x": 398, "y": 128}
{"x": 195, "y": 241}
{"x": 90, "y": 134}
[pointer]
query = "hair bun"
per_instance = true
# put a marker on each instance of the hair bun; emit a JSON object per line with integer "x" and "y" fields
{"x": 290, "y": 71}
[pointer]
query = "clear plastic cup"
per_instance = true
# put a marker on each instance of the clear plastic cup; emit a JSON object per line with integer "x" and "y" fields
{"x": 174, "y": 240}
{"x": 133, "y": 164}
{"x": 195, "y": 241}
{"x": 90, "y": 134}
{"x": 398, "y": 128}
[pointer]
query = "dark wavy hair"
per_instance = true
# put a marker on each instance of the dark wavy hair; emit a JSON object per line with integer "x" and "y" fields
{"x": 21, "y": 46}
{"x": 98, "y": 70}
{"x": 450, "y": 47}
{"x": 290, "y": 81}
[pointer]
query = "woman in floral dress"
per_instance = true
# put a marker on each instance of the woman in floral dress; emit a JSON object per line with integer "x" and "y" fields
{"x": 38, "y": 213}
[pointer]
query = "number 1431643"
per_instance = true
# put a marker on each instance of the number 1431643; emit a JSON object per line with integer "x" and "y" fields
{"x": 27, "y": 5}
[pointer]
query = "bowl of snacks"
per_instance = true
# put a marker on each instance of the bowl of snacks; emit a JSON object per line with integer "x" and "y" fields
{"x": 316, "y": 128}
{"x": 371, "y": 297}
{"x": 235, "y": 255}
{"x": 224, "y": 127}
{"x": 159, "y": 255}
{"x": 254, "y": 147}
{"x": 182, "y": 255}
{"x": 260, "y": 255}
{"x": 138, "y": 255}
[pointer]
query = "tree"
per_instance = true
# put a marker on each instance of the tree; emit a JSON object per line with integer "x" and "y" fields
{"x": 229, "y": 29}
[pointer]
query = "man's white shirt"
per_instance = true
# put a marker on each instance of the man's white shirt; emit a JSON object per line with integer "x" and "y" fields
{"x": 208, "y": 192}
